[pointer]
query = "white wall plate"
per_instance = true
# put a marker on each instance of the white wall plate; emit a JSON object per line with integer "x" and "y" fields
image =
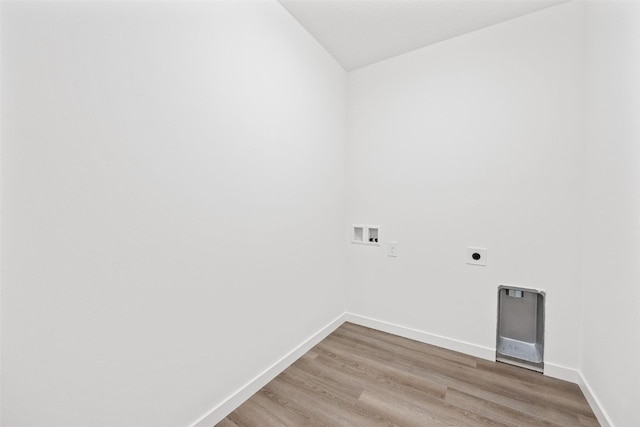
{"x": 477, "y": 256}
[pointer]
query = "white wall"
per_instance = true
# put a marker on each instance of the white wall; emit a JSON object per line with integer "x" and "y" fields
{"x": 173, "y": 183}
{"x": 173, "y": 192}
{"x": 474, "y": 141}
{"x": 611, "y": 272}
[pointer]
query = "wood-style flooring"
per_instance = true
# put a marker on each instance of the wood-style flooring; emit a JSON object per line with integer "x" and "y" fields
{"x": 362, "y": 377}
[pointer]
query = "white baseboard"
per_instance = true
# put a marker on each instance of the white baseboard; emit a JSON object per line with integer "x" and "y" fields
{"x": 596, "y": 407}
{"x": 223, "y": 409}
{"x": 414, "y": 334}
{"x": 561, "y": 372}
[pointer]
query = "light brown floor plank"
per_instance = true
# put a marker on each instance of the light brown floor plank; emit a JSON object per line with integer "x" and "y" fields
{"x": 362, "y": 377}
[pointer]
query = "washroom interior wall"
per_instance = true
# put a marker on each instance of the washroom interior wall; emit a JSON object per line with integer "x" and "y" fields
{"x": 472, "y": 142}
{"x": 172, "y": 192}
{"x": 610, "y": 344}
{"x": 167, "y": 211}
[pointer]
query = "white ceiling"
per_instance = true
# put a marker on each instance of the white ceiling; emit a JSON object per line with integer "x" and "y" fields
{"x": 361, "y": 32}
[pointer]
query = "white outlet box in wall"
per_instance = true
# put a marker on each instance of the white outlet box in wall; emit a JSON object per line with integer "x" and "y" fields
{"x": 365, "y": 234}
{"x": 358, "y": 233}
{"x": 373, "y": 235}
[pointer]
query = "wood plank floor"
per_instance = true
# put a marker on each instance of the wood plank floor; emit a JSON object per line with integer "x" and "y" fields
{"x": 362, "y": 377}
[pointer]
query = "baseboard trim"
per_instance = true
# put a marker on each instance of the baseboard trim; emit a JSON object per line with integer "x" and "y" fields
{"x": 219, "y": 412}
{"x": 596, "y": 407}
{"x": 561, "y": 372}
{"x": 424, "y": 337}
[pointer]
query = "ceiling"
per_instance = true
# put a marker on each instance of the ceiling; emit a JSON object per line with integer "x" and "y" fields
{"x": 361, "y": 32}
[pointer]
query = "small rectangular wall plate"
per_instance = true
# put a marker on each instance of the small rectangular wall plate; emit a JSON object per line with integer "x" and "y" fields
{"x": 477, "y": 256}
{"x": 392, "y": 249}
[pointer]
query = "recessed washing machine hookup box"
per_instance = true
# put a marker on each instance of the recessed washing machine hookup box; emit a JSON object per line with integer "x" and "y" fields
{"x": 520, "y": 336}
